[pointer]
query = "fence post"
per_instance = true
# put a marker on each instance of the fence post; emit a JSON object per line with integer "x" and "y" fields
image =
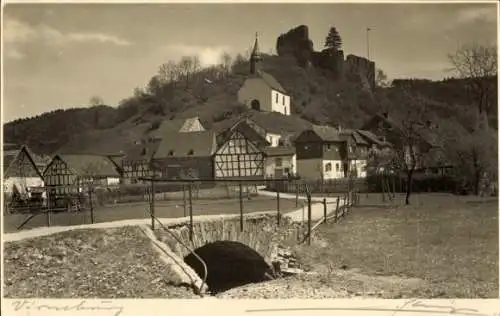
{"x": 296, "y": 195}
{"x": 92, "y": 217}
{"x": 309, "y": 214}
{"x": 184, "y": 199}
{"x": 48, "y": 217}
{"x": 152, "y": 203}
{"x": 278, "y": 205}
{"x": 190, "y": 192}
{"x": 324, "y": 209}
{"x": 337, "y": 209}
{"x": 241, "y": 206}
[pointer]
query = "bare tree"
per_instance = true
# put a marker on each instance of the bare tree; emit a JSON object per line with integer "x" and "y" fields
{"x": 185, "y": 66}
{"x": 478, "y": 65}
{"x": 381, "y": 79}
{"x": 169, "y": 72}
{"x": 226, "y": 63}
{"x": 409, "y": 150}
{"x": 96, "y": 100}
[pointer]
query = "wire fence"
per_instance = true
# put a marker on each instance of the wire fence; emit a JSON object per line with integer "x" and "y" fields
{"x": 170, "y": 200}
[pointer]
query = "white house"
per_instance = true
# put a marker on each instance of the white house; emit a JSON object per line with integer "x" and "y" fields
{"x": 261, "y": 91}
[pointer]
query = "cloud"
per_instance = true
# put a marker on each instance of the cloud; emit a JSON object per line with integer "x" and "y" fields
{"x": 17, "y": 33}
{"x": 208, "y": 55}
{"x": 486, "y": 14}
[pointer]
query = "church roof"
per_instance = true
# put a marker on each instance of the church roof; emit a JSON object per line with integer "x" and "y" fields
{"x": 271, "y": 81}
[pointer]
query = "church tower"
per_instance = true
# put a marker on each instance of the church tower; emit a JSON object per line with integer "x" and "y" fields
{"x": 255, "y": 57}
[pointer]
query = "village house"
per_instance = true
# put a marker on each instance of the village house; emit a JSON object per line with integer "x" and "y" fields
{"x": 326, "y": 152}
{"x": 22, "y": 177}
{"x": 261, "y": 91}
{"x": 69, "y": 174}
{"x": 239, "y": 154}
{"x": 136, "y": 162}
{"x": 185, "y": 155}
{"x": 426, "y": 144}
{"x": 277, "y": 130}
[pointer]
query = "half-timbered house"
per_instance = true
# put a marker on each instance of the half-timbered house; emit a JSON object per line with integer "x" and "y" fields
{"x": 185, "y": 155}
{"x": 136, "y": 163}
{"x": 239, "y": 154}
{"x": 21, "y": 175}
{"x": 71, "y": 174}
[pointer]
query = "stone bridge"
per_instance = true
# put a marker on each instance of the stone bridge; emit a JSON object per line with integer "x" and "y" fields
{"x": 260, "y": 233}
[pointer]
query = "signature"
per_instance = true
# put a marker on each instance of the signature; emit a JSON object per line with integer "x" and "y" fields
{"x": 412, "y": 306}
{"x": 31, "y": 305}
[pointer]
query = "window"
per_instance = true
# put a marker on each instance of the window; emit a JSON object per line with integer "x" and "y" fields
{"x": 328, "y": 167}
{"x": 279, "y": 162}
{"x": 191, "y": 152}
{"x": 171, "y": 153}
{"x": 277, "y": 96}
{"x": 337, "y": 167}
{"x": 271, "y": 140}
{"x": 327, "y": 146}
{"x": 283, "y": 100}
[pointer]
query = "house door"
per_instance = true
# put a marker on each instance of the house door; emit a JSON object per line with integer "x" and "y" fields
{"x": 278, "y": 173}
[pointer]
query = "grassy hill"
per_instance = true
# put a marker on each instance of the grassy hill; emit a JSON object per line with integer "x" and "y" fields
{"x": 315, "y": 98}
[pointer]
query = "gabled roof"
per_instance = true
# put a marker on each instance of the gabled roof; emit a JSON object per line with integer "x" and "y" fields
{"x": 425, "y": 135}
{"x": 247, "y": 131}
{"x": 90, "y": 165}
{"x": 271, "y": 81}
{"x": 327, "y": 133}
{"x": 9, "y": 156}
{"x": 173, "y": 126}
{"x": 354, "y": 134}
{"x": 372, "y": 138}
{"x": 140, "y": 152}
{"x": 193, "y": 144}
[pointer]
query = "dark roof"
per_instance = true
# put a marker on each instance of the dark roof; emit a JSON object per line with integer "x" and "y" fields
{"x": 140, "y": 152}
{"x": 354, "y": 134}
{"x": 425, "y": 135}
{"x": 372, "y": 138}
{"x": 92, "y": 165}
{"x": 327, "y": 133}
{"x": 279, "y": 151}
{"x": 271, "y": 81}
{"x": 192, "y": 144}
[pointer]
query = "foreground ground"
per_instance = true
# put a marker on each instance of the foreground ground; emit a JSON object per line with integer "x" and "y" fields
{"x": 91, "y": 263}
{"x": 450, "y": 243}
{"x": 442, "y": 246}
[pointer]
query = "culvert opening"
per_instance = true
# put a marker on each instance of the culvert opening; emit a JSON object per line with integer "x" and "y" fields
{"x": 229, "y": 264}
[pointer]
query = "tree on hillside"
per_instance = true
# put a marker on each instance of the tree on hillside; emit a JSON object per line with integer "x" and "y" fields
{"x": 473, "y": 156}
{"x": 478, "y": 64}
{"x": 381, "y": 79}
{"x": 333, "y": 41}
{"x": 169, "y": 72}
{"x": 409, "y": 150}
{"x": 96, "y": 100}
{"x": 226, "y": 63}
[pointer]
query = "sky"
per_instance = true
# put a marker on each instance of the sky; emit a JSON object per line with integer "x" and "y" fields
{"x": 58, "y": 56}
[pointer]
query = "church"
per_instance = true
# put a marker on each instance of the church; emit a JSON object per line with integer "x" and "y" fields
{"x": 261, "y": 91}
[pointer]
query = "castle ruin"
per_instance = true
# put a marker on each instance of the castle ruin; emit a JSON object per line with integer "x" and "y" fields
{"x": 297, "y": 43}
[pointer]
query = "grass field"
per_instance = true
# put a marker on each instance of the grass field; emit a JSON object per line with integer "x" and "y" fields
{"x": 163, "y": 209}
{"x": 92, "y": 263}
{"x": 449, "y": 242}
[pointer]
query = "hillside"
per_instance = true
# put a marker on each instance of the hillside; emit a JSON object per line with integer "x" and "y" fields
{"x": 315, "y": 97}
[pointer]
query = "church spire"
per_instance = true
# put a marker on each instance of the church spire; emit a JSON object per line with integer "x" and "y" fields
{"x": 255, "y": 57}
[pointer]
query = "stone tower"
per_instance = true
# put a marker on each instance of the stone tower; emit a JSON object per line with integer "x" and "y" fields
{"x": 255, "y": 57}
